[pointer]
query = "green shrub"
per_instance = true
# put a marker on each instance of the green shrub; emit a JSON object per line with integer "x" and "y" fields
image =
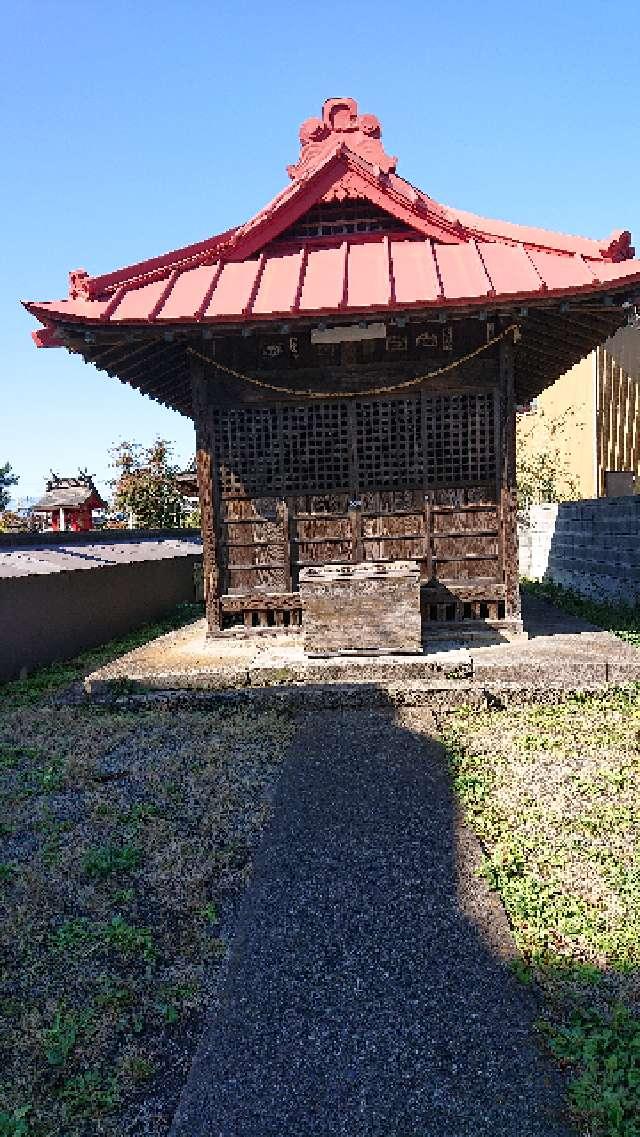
{"x": 106, "y": 860}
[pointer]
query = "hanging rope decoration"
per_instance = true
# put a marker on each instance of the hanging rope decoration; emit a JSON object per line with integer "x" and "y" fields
{"x": 513, "y": 329}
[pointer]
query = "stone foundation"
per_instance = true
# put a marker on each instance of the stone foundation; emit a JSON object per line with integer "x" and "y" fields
{"x": 370, "y": 607}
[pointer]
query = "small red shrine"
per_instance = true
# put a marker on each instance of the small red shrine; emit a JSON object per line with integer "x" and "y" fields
{"x": 352, "y": 357}
{"x": 68, "y": 503}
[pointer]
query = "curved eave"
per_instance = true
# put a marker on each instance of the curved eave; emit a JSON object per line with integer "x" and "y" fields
{"x": 554, "y": 336}
{"x": 155, "y": 368}
{"x": 59, "y": 314}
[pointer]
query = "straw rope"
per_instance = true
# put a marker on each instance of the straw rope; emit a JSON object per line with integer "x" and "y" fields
{"x": 512, "y": 329}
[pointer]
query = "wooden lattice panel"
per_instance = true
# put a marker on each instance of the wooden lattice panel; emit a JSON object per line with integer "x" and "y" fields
{"x": 315, "y": 447}
{"x": 374, "y": 445}
{"x": 248, "y": 446}
{"x": 284, "y": 449}
{"x": 460, "y": 438}
{"x": 389, "y": 443}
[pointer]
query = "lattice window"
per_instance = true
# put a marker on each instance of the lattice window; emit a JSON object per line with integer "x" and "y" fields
{"x": 247, "y": 443}
{"x": 428, "y": 440}
{"x": 330, "y": 219}
{"x": 389, "y": 444}
{"x": 315, "y": 447}
{"x": 460, "y": 443}
{"x": 283, "y": 450}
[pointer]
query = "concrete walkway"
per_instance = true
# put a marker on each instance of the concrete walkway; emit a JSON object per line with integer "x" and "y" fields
{"x": 367, "y": 992}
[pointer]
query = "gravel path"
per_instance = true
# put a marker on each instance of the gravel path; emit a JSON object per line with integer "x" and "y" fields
{"x": 367, "y": 992}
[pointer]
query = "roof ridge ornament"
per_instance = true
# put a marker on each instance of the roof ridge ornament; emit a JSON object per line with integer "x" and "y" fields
{"x": 341, "y": 124}
{"x": 79, "y": 284}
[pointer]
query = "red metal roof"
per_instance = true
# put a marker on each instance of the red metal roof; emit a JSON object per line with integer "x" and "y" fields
{"x": 432, "y": 256}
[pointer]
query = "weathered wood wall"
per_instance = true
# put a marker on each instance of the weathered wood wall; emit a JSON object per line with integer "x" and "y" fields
{"x": 426, "y": 475}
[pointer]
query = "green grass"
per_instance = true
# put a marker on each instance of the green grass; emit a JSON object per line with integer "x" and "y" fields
{"x": 112, "y": 892}
{"x": 553, "y": 793}
{"x": 15, "y": 1124}
{"x": 111, "y": 859}
{"x": 606, "y": 1050}
{"x": 60, "y": 1038}
{"x": 88, "y": 1095}
{"x": 622, "y": 620}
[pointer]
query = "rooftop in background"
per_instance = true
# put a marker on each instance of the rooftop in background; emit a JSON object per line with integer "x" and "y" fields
{"x": 70, "y": 493}
{"x": 28, "y": 554}
{"x": 347, "y": 238}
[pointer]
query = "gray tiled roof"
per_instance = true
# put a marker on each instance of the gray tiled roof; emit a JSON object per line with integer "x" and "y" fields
{"x": 65, "y": 497}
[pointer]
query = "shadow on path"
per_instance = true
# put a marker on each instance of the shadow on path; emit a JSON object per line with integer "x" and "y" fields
{"x": 367, "y": 989}
{"x": 541, "y": 618}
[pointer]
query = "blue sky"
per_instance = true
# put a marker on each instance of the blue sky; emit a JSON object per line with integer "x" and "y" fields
{"x": 129, "y": 129}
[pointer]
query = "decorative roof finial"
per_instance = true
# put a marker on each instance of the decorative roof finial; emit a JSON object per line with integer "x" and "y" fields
{"x": 341, "y": 125}
{"x": 78, "y": 284}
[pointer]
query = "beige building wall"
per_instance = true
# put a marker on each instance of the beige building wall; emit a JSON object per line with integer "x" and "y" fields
{"x": 570, "y": 401}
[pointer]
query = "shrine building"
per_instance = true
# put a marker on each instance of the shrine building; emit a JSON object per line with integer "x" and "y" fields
{"x": 352, "y": 357}
{"x": 68, "y": 503}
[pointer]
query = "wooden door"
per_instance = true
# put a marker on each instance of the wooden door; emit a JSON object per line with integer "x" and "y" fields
{"x": 393, "y": 526}
{"x": 255, "y": 546}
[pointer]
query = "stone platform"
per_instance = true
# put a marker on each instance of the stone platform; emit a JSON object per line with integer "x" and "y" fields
{"x": 562, "y": 654}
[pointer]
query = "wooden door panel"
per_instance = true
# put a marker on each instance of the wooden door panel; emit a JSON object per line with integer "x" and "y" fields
{"x": 322, "y": 528}
{"x": 465, "y": 539}
{"x": 322, "y": 552}
{"x": 393, "y": 525}
{"x": 255, "y": 545}
{"x": 243, "y": 582}
{"x": 468, "y": 569}
{"x": 321, "y": 531}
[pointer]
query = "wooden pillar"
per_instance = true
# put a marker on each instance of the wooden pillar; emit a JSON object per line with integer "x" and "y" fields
{"x": 508, "y": 493}
{"x": 209, "y": 496}
{"x": 354, "y": 508}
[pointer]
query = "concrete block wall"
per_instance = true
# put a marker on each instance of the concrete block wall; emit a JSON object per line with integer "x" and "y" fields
{"x": 534, "y": 540}
{"x": 590, "y": 546}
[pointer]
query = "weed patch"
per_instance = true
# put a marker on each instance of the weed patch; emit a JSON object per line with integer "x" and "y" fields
{"x": 87, "y": 1095}
{"x": 15, "y": 1124}
{"x": 112, "y": 895}
{"x": 605, "y": 1049}
{"x": 60, "y": 1038}
{"x": 553, "y": 792}
{"x": 129, "y": 940}
{"x": 109, "y": 860}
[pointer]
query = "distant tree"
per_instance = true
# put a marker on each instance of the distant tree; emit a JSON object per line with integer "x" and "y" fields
{"x": 11, "y": 522}
{"x": 191, "y": 519}
{"x": 543, "y": 472}
{"x": 7, "y": 478}
{"x": 145, "y": 487}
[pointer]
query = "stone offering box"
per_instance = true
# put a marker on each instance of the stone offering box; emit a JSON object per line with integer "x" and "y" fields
{"x": 367, "y": 607}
